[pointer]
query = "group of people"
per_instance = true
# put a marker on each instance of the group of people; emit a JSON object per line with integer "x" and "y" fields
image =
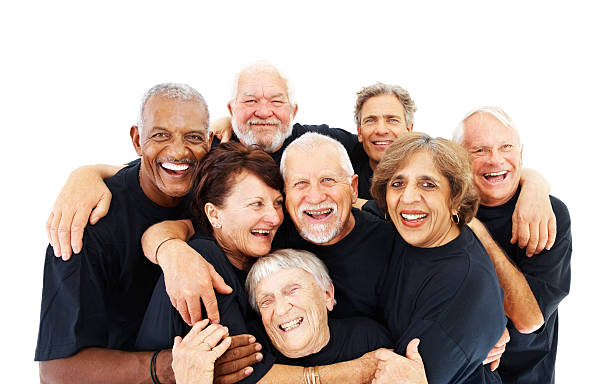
{"x": 404, "y": 259}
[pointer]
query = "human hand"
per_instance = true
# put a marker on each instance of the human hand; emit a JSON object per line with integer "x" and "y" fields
{"x": 396, "y": 369}
{"x": 236, "y": 363}
{"x": 494, "y": 356}
{"x": 189, "y": 278}
{"x": 221, "y": 129}
{"x": 534, "y": 224}
{"x": 194, "y": 356}
{"x": 84, "y": 197}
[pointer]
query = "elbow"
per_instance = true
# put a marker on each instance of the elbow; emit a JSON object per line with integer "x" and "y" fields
{"x": 528, "y": 326}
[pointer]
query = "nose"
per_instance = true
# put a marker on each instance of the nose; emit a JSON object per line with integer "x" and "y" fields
{"x": 495, "y": 156}
{"x": 381, "y": 127}
{"x": 315, "y": 194}
{"x": 263, "y": 110}
{"x": 411, "y": 194}
{"x": 283, "y": 305}
{"x": 273, "y": 216}
{"x": 178, "y": 149}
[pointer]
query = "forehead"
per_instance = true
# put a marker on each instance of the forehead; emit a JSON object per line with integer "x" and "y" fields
{"x": 170, "y": 112}
{"x": 324, "y": 160}
{"x": 247, "y": 185}
{"x": 484, "y": 129}
{"x": 382, "y": 105}
{"x": 419, "y": 164}
{"x": 283, "y": 278}
{"x": 261, "y": 84}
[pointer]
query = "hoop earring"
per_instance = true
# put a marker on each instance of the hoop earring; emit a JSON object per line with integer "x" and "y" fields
{"x": 455, "y": 218}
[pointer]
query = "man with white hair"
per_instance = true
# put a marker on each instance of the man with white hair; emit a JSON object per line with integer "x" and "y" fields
{"x": 533, "y": 286}
{"x": 93, "y": 304}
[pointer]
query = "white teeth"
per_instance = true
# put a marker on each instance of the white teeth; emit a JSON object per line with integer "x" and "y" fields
{"x": 413, "y": 216}
{"x": 495, "y": 173}
{"x": 382, "y": 142}
{"x": 292, "y": 324}
{"x": 261, "y": 231}
{"x": 323, "y": 212}
{"x": 175, "y": 167}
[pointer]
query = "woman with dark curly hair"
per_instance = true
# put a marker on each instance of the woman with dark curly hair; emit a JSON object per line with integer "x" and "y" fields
{"x": 442, "y": 286}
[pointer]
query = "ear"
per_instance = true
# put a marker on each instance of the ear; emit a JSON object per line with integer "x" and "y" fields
{"x": 359, "y": 135}
{"x": 229, "y": 108}
{"x": 294, "y": 112}
{"x": 211, "y": 212}
{"x": 410, "y": 127}
{"x": 329, "y": 297}
{"x": 136, "y": 140}
{"x": 354, "y": 187}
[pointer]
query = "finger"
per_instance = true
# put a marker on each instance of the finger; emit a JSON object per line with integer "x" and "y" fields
{"x": 237, "y": 353}
{"x": 210, "y": 303}
{"x": 523, "y": 234}
{"x": 552, "y": 232}
{"x": 76, "y": 230}
{"x": 543, "y": 237}
{"x": 214, "y": 334}
{"x": 236, "y": 366}
{"x": 217, "y": 281}
{"x": 227, "y": 135}
{"x": 53, "y": 234}
{"x": 63, "y": 233}
{"x": 182, "y": 308}
{"x": 494, "y": 365}
{"x": 48, "y": 226}
{"x": 534, "y": 233}
{"x": 412, "y": 351}
{"x": 194, "y": 308}
{"x": 177, "y": 341}
{"x": 505, "y": 337}
{"x": 102, "y": 208}
{"x": 194, "y": 333}
{"x": 222, "y": 347}
{"x": 515, "y": 228}
{"x": 234, "y": 377}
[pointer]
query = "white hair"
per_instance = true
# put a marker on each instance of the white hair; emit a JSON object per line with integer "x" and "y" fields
{"x": 176, "y": 91}
{"x": 496, "y": 112}
{"x": 266, "y": 67}
{"x": 285, "y": 259}
{"x": 311, "y": 142}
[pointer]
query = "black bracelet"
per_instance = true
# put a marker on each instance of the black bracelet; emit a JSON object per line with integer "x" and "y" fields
{"x": 152, "y": 368}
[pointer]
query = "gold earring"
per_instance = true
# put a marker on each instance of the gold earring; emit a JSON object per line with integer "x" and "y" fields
{"x": 455, "y": 218}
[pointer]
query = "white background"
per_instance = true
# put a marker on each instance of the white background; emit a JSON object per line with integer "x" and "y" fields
{"x": 72, "y": 74}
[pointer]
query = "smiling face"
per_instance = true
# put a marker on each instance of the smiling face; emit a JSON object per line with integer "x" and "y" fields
{"x": 248, "y": 219}
{"x": 262, "y": 112}
{"x": 319, "y": 194}
{"x": 383, "y": 119}
{"x": 496, "y": 156}
{"x": 293, "y": 310}
{"x": 173, "y": 140}
{"x": 418, "y": 197}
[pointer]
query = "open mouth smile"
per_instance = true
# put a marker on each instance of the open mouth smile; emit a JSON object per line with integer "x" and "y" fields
{"x": 319, "y": 214}
{"x": 286, "y": 327}
{"x": 261, "y": 232}
{"x": 495, "y": 177}
{"x": 175, "y": 168}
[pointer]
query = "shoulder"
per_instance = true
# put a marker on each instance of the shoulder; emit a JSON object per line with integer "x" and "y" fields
{"x": 561, "y": 213}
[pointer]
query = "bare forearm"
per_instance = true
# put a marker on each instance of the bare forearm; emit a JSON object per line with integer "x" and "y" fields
{"x": 97, "y": 365}
{"x": 354, "y": 371}
{"x": 530, "y": 178}
{"x": 520, "y": 304}
{"x": 101, "y": 170}
{"x": 161, "y": 232}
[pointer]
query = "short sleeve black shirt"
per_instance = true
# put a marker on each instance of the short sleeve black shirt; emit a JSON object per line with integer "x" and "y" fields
{"x": 99, "y": 296}
{"x": 162, "y": 322}
{"x": 448, "y": 297}
{"x": 530, "y": 358}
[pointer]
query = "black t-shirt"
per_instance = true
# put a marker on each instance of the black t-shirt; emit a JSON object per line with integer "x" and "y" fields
{"x": 449, "y": 297}
{"x": 162, "y": 322}
{"x": 348, "y": 339}
{"x": 361, "y": 165}
{"x": 347, "y": 139}
{"x": 357, "y": 264}
{"x": 530, "y": 358}
{"x": 99, "y": 296}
